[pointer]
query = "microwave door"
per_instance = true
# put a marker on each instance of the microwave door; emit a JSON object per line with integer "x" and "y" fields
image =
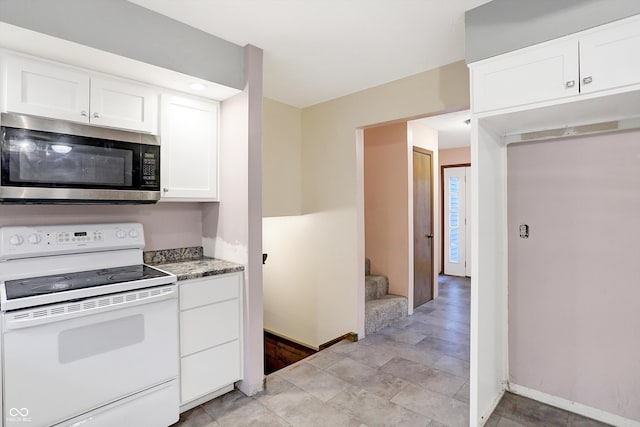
{"x": 66, "y": 168}
{"x": 56, "y": 164}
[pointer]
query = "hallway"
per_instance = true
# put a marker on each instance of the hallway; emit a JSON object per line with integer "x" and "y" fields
{"x": 414, "y": 373}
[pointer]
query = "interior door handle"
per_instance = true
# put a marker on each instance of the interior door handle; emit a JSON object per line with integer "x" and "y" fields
{"x": 429, "y": 236}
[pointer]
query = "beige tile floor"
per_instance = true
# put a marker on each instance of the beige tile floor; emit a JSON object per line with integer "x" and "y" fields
{"x": 413, "y": 373}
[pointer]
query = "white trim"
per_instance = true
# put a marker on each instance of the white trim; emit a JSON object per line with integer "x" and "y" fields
{"x": 485, "y": 416}
{"x": 204, "y": 399}
{"x": 360, "y": 232}
{"x": 576, "y": 408}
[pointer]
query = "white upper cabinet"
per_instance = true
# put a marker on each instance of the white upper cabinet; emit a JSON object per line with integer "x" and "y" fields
{"x": 47, "y": 90}
{"x": 189, "y": 149}
{"x": 53, "y": 91}
{"x": 610, "y": 58}
{"x": 544, "y": 73}
{"x": 123, "y": 105}
{"x": 595, "y": 60}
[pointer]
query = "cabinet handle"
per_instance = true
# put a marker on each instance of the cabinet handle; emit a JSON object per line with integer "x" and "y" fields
{"x": 165, "y": 190}
{"x": 96, "y": 115}
{"x": 587, "y": 80}
{"x": 570, "y": 84}
{"x": 83, "y": 113}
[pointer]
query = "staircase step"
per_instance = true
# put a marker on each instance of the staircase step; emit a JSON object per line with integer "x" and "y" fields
{"x": 375, "y": 287}
{"x": 382, "y": 312}
{"x": 367, "y": 266}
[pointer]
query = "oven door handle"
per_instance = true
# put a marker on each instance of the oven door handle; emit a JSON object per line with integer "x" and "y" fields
{"x": 31, "y": 317}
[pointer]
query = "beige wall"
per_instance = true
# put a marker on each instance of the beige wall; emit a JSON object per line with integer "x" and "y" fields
{"x": 386, "y": 208}
{"x": 325, "y": 249}
{"x": 330, "y": 180}
{"x": 281, "y": 160}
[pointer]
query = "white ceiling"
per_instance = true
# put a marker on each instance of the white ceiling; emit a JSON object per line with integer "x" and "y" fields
{"x": 453, "y": 132}
{"x": 317, "y": 50}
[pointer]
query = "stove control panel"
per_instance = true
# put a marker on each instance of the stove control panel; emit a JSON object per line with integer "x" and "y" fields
{"x": 33, "y": 241}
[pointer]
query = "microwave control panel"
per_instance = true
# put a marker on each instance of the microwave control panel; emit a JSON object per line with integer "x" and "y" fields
{"x": 150, "y": 175}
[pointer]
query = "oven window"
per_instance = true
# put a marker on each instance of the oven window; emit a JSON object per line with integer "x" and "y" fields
{"x": 58, "y": 162}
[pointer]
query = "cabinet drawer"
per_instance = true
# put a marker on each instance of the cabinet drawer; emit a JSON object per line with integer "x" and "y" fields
{"x": 208, "y": 290}
{"x": 208, "y": 326}
{"x": 205, "y": 372}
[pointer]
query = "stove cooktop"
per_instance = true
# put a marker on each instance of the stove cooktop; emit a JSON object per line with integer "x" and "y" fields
{"x": 35, "y": 286}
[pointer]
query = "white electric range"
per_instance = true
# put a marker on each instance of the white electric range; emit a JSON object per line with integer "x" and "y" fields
{"x": 89, "y": 333}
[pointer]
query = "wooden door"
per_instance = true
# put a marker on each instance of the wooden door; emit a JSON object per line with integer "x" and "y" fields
{"x": 422, "y": 226}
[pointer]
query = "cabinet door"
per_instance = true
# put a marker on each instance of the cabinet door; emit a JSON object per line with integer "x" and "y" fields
{"x": 189, "y": 149}
{"x": 610, "y": 58}
{"x": 540, "y": 74}
{"x": 209, "y": 326}
{"x": 124, "y": 105}
{"x": 207, "y": 371}
{"x": 47, "y": 90}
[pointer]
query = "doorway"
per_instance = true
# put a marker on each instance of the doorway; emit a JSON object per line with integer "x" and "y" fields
{"x": 456, "y": 186}
{"x": 423, "y": 242}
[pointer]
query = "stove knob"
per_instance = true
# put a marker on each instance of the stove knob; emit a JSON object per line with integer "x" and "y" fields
{"x": 133, "y": 233}
{"x": 121, "y": 234}
{"x": 34, "y": 239}
{"x": 16, "y": 240}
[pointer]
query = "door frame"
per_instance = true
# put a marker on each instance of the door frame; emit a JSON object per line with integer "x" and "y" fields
{"x": 421, "y": 150}
{"x": 442, "y": 168}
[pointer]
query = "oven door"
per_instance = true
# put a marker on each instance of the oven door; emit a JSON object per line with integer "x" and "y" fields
{"x": 89, "y": 356}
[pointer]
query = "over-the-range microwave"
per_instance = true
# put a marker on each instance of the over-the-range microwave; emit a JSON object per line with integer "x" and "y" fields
{"x": 56, "y": 162}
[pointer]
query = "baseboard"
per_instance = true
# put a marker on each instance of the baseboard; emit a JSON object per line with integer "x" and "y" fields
{"x": 576, "y": 408}
{"x": 206, "y": 398}
{"x": 351, "y": 336}
{"x": 293, "y": 340}
{"x": 485, "y": 417}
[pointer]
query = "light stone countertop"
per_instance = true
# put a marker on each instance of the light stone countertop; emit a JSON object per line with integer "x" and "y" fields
{"x": 202, "y": 267}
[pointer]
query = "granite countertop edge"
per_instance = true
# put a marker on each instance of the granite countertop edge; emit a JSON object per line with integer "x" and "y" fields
{"x": 198, "y": 268}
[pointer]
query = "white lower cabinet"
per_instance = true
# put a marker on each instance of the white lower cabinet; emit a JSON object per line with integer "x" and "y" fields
{"x": 210, "y": 336}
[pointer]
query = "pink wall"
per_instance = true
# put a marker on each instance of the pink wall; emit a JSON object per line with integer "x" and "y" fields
{"x": 385, "y": 201}
{"x": 449, "y": 156}
{"x": 166, "y": 225}
{"x": 233, "y": 229}
{"x": 455, "y": 156}
{"x": 574, "y": 293}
